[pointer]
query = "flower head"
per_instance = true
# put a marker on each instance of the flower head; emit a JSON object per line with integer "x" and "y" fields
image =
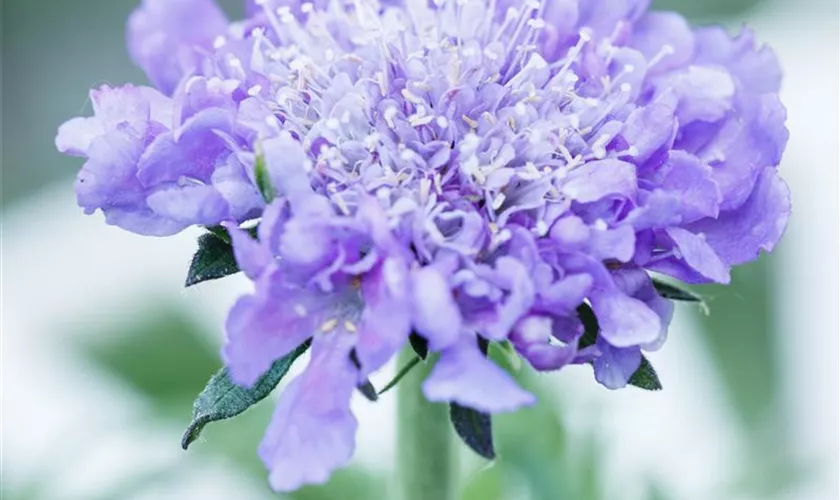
{"x": 463, "y": 169}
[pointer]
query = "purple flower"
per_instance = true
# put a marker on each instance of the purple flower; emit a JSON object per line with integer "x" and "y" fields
{"x": 168, "y": 39}
{"x": 466, "y": 170}
{"x": 156, "y": 165}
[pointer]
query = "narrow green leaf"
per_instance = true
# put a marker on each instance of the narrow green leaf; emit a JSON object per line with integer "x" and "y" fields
{"x": 674, "y": 292}
{"x": 263, "y": 179}
{"x": 646, "y": 377}
{"x": 475, "y": 429}
{"x": 214, "y": 259}
{"x": 402, "y": 373}
{"x": 419, "y": 344}
{"x": 223, "y": 399}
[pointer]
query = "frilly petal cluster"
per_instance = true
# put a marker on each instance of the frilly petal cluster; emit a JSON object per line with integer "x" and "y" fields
{"x": 460, "y": 169}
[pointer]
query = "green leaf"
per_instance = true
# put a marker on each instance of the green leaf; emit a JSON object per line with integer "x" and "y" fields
{"x": 214, "y": 259}
{"x": 402, "y": 373}
{"x": 420, "y": 345}
{"x": 263, "y": 179}
{"x": 674, "y": 292}
{"x": 475, "y": 429}
{"x": 223, "y": 399}
{"x": 645, "y": 377}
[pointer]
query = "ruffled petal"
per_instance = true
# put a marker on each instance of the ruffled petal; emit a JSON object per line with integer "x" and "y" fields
{"x": 699, "y": 255}
{"x": 756, "y": 68}
{"x": 738, "y": 236}
{"x": 288, "y": 167}
{"x": 75, "y": 136}
{"x": 532, "y": 338}
{"x": 435, "y": 313}
{"x": 192, "y": 151}
{"x": 264, "y": 327}
{"x": 165, "y": 37}
{"x": 595, "y": 180}
{"x": 386, "y": 320}
{"x": 602, "y": 16}
{"x": 665, "y": 36}
{"x": 691, "y": 181}
{"x": 702, "y": 93}
{"x": 650, "y": 130}
{"x": 624, "y": 321}
{"x": 252, "y": 256}
{"x": 464, "y": 376}
{"x": 614, "y": 366}
{"x": 513, "y": 277}
{"x": 313, "y": 431}
{"x": 191, "y": 204}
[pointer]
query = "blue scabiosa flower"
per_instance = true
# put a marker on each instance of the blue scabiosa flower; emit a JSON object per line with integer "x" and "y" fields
{"x": 467, "y": 170}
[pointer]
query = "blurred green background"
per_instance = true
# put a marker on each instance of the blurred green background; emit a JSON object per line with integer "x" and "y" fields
{"x": 99, "y": 371}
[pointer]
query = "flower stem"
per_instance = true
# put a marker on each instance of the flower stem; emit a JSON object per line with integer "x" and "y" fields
{"x": 426, "y": 460}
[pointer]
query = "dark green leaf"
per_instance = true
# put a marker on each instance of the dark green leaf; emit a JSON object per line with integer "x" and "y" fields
{"x": 223, "y": 399}
{"x": 220, "y": 233}
{"x": 420, "y": 345}
{"x": 214, "y": 259}
{"x": 402, "y": 373}
{"x": 483, "y": 345}
{"x": 475, "y": 428}
{"x": 673, "y": 292}
{"x": 590, "y": 325}
{"x": 646, "y": 377}
{"x": 369, "y": 391}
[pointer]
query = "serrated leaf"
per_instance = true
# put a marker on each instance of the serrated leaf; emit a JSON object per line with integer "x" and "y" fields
{"x": 645, "y": 377}
{"x": 222, "y": 399}
{"x": 420, "y": 345}
{"x": 214, "y": 259}
{"x": 674, "y": 292}
{"x": 475, "y": 429}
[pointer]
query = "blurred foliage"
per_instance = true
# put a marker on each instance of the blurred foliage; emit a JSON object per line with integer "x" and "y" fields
{"x": 162, "y": 357}
{"x": 740, "y": 332}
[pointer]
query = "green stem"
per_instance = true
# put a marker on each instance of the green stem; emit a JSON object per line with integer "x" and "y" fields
{"x": 427, "y": 466}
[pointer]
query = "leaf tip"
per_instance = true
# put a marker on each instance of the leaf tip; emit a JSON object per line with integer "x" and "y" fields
{"x": 191, "y": 434}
